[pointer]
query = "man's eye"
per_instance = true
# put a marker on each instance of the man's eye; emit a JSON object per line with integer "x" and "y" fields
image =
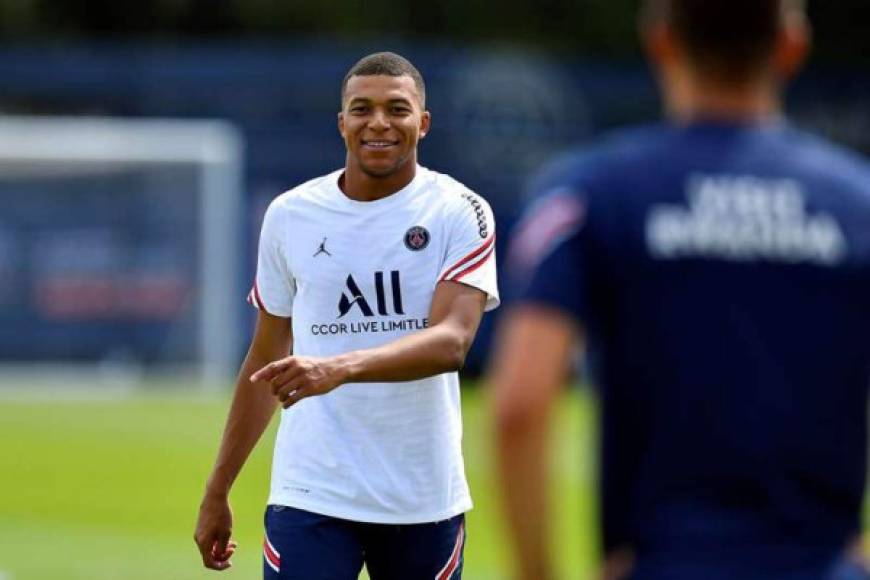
{"x": 401, "y": 110}
{"x": 358, "y": 110}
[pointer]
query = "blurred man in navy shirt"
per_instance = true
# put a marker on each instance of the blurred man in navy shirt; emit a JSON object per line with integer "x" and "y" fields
{"x": 717, "y": 265}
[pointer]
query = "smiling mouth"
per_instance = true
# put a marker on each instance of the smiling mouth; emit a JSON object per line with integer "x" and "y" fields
{"x": 379, "y": 144}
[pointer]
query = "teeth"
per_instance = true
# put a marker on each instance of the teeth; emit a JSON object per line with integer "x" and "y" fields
{"x": 378, "y": 143}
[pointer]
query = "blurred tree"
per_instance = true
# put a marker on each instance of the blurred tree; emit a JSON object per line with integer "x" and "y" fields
{"x": 839, "y": 31}
{"x": 95, "y": 17}
{"x": 18, "y": 17}
{"x": 594, "y": 28}
{"x": 209, "y": 17}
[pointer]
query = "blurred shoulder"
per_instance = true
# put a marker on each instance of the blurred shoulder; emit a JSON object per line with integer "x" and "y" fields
{"x": 820, "y": 158}
{"x": 611, "y": 155}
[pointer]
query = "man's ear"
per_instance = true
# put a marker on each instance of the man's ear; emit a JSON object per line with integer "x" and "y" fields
{"x": 341, "y": 123}
{"x": 425, "y": 123}
{"x": 658, "y": 42}
{"x": 792, "y": 45}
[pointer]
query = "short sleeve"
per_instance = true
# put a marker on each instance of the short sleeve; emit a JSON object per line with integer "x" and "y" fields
{"x": 274, "y": 287}
{"x": 546, "y": 257}
{"x": 470, "y": 255}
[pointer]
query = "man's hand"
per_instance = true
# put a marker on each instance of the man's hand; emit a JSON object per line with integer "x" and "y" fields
{"x": 213, "y": 532}
{"x": 249, "y": 415}
{"x": 295, "y": 377}
{"x": 617, "y": 564}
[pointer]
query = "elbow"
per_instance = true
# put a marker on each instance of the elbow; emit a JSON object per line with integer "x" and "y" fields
{"x": 456, "y": 352}
{"x": 516, "y": 412}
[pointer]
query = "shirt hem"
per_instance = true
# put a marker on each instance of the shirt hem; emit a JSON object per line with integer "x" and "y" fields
{"x": 369, "y": 517}
{"x": 269, "y": 311}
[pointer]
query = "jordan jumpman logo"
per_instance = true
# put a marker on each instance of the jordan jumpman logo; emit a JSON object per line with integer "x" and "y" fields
{"x": 322, "y": 249}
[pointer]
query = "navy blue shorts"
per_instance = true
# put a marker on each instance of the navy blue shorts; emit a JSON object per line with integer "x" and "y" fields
{"x": 306, "y": 546}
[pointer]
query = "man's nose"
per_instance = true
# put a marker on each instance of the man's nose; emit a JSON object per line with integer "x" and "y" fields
{"x": 379, "y": 120}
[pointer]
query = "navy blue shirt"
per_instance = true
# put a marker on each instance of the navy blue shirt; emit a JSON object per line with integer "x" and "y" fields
{"x": 722, "y": 275}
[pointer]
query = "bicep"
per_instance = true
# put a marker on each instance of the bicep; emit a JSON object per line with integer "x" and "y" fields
{"x": 532, "y": 358}
{"x": 458, "y": 305}
{"x": 273, "y": 336}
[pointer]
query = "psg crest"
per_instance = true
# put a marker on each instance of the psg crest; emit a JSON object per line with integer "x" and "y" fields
{"x": 416, "y": 238}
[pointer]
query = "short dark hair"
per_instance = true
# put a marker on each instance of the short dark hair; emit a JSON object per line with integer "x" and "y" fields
{"x": 386, "y": 63}
{"x": 729, "y": 38}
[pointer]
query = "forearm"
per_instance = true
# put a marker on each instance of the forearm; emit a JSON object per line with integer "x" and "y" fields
{"x": 251, "y": 410}
{"x": 455, "y": 315}
{"x": 532, "y": 354}
{"x": 435, "y": 350}
{"x": 524, "y": 464}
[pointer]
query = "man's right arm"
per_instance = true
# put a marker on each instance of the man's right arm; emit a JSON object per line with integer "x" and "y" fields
{"x": 251, "y": 410}
{"x": 529, "y": 367}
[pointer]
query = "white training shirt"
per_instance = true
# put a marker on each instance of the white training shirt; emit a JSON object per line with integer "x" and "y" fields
{"x": 355, "y": 275}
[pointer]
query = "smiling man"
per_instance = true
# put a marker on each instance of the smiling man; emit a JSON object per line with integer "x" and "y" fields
{"x": 375, "y": 277}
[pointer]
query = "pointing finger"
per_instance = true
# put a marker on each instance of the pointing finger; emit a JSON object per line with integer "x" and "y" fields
{"x": 269, "y": 371}
{"x": 284, "y": 378}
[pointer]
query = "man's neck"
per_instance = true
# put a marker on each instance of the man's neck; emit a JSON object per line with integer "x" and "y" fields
{"x": 360, "y": 186}
{"x": 690, "y": 98}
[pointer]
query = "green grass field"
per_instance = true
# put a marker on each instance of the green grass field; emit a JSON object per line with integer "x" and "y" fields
{"x": 108, "y": 488}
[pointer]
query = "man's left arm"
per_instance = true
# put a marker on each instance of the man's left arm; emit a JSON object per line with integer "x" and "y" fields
{"x": 442, "y": 347}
